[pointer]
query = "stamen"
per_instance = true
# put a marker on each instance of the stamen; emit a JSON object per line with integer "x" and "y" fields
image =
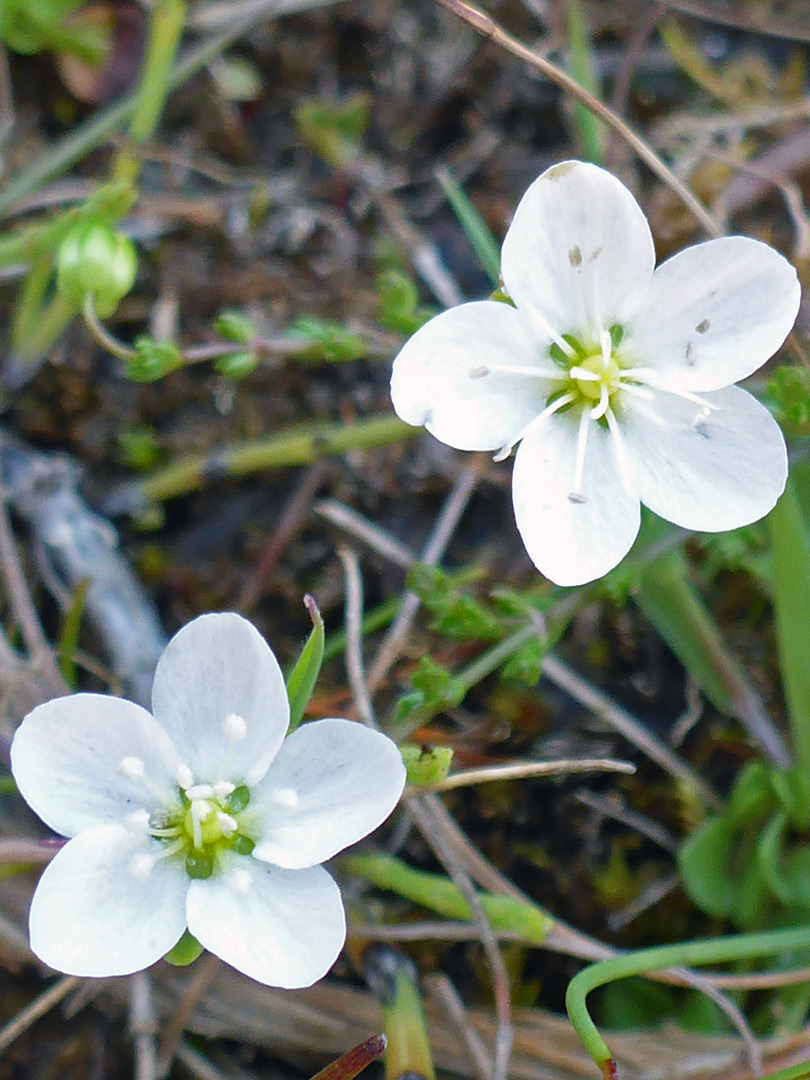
{"x": 284, "y": 798}
{"x": 579, "y": 464}
{"x": 650, "y": 375}
{"x": 621, "y": 451}
{"x": 201, "y": 809}
{"x": 584, "y": 375}
{"x": 547, "y": 329}
{"x": 200, "y": 791}
{"x": 240, "y": 880}
{"x": 228, "y": 824}
{"x": 607, "y": 348}
{"x": 184, "y": 777}
{"x": 138, "y": 821}
{"x": 234, "y": 727}
{"x": 141, "y": 866}
{"x": 558, "y": 403}
{"x": 223, "y": 788}
{"x": 533, "y": 372}
{"x": 599, "y": 410}
{"x": 643, "y": 392}
{"x": 132, "y": 768}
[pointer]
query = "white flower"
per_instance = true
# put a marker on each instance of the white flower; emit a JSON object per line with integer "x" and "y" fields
{"x": 201, "y": 816}
{"x": 616, "y": 379}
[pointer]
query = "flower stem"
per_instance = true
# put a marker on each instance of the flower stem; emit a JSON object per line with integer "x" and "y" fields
{"x": 299, "y": 446}
{"x": 102, "y": 335}
{"x": 708, "y": 951}
{"x": 165, "y": 30}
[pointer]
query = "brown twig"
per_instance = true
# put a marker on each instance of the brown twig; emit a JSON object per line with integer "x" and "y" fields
{"x": 487, "y": 26}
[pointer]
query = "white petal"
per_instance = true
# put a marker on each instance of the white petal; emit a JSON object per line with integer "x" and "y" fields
{"x": 92, "y": 915}
{"x": 344, "y": 781}
{"x": 715, "y": 313}
{"x": 280, "y": 927}
{"x": 711, "y": 472}
{"x": 579, "y": 250}
{"x": 447, "y": 376}
{"x": 572, "y": 541}
{"x": 215, "y": 668}
{"x": 66, "y": 759}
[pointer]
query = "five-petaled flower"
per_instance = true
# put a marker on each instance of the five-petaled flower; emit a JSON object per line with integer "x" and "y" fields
{"x": 202, "y": 815}
{"x": 614, "y": 377}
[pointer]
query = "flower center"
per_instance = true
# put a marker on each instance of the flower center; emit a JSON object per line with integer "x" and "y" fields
{"x": 201, "y": 822}
{"x": 595, "y": 376}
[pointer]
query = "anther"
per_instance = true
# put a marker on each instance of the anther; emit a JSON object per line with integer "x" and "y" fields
{"x": 228, "y": 824}
{"x": 200, "y": 791}
{"x": 240, "y": 880}
{"x": 234, "y": 727}
{"x": 132, "y": 768}
{"x": 138, "y": 821}
{"x": 223, "y": 788}
{"x": 184, "y": 777}
{"x": 285, "y": 798}
{"x": 141, "y": 866}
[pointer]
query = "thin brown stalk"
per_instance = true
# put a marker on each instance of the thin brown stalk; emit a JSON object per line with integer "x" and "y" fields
{"x": 487, "y": 26}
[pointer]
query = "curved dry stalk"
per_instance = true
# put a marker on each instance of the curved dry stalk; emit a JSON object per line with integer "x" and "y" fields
{"x": 487, "y": 26}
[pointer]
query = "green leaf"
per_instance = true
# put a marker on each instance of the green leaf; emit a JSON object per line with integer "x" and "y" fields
{"x": 478, "y": 232}
{"x": 706, "y": 861}
{"x": 304, "y": 675}
{"x": 786, "y": 871}
{"x": 790, "y": 558}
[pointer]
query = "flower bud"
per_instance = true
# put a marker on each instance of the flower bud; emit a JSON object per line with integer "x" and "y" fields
{"x": 94, "y": 260}
{"x": 153, "y": 360}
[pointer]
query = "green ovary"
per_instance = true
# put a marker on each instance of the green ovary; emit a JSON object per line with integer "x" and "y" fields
{"x": 608, "y": 377}
{"x": 199, "y": 835}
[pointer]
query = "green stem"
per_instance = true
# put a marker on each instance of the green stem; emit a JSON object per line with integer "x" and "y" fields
{"x": 463, "y": 682}
{"x": 437, "y": 893}
{"x": 299, "y": 446}
{"x": 790, "y": 561}
{"x": 29, "y": 301}
{"x": 102, "y": 335}
{"x": 583, "y": 68}
{"x": 95, "y": 131}
{"x": 165, "y": 30}
{"x": 53, "y": 319}
{"x": 658, "y": 958}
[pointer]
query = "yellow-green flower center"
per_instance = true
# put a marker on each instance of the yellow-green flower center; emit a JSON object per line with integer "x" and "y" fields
{"x": 607, "y": 372}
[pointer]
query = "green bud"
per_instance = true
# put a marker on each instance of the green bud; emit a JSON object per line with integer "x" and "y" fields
{"x": 426, "y": 765}
{"x": 94, "y": 260}
{"x": 234, "y": 326}
{"x": 154, "y": 359}
{"x": 236, "y": 365}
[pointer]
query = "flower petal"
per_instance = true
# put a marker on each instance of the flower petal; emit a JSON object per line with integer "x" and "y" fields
{"x": 93, "y": 915}
{"x": 711, "y": 472}
{"x": 280, "y": 927}
{"x": 715, "y": 313}
{"x": 66, "y": 759}
{"x": 215, "y": 667}
{"x": 447, "y": 376}
{"x": 572, "y": 541}
{"x": 338, "y": 781}
{"x": 579, "y": 250}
